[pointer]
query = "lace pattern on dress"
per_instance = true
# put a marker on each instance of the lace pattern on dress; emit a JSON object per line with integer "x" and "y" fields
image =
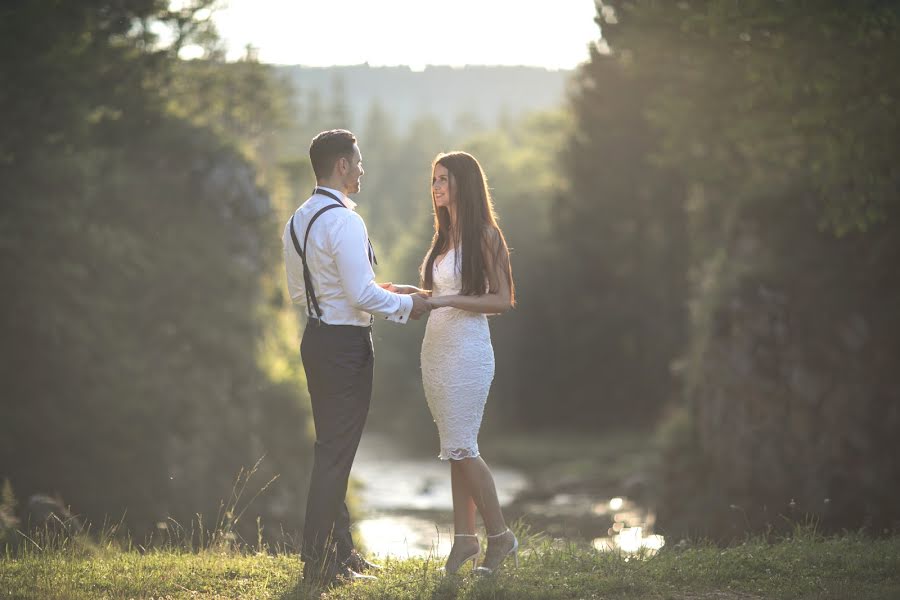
{"x": 457, "y": 367}
{"x": 459, "y": 453}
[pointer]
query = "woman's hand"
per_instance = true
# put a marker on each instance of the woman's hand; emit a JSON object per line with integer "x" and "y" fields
{"x": 435, "y": 301}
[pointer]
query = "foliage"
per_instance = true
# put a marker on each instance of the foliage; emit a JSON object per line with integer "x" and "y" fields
{"x": 780, "y": 121}
{"x": 137, "y": 358}
{"x": 621, "y": 231}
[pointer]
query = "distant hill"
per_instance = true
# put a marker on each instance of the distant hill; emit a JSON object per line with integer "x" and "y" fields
{"x": 476, "y": 93}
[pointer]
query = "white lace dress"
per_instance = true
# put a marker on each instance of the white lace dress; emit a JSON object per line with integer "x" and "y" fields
{"x": 457, "y": 366}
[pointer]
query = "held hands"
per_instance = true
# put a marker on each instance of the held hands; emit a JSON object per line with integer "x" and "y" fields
{"x": 420, "y": 298}
{"x": 420, "y": 306}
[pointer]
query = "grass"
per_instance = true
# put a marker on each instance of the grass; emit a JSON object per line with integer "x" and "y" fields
{"x": 804, "y": 566}
{"x": 161, "y": 574}
{"x": 214, "y": 564}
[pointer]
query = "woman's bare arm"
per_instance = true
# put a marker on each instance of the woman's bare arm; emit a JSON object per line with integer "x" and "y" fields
{"x": 499, "y": 297}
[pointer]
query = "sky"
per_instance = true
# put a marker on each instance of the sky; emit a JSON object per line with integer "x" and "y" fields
{"x": 551, "y": 34}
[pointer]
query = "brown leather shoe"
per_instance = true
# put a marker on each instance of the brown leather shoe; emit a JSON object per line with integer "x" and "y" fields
{"x": 347, "y": 575}
{"x": 317, "y": 576}
{"x": 359, "y": 564}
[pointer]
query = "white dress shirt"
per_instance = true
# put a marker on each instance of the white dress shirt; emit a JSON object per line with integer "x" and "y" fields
{"x": 337, "y": 254}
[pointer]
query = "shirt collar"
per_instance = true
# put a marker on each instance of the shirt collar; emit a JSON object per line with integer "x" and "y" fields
{"x": 344, "y": 197}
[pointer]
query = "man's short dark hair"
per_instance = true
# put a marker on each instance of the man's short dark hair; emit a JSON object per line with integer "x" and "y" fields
{"x": 327, "y": 147}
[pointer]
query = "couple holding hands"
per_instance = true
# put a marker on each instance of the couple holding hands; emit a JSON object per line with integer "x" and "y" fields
{"x": 465, "y": 276}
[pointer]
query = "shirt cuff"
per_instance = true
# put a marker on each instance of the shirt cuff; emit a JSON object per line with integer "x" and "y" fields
{"x": 402, "y": 314}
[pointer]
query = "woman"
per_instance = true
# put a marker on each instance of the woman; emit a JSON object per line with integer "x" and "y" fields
{"x": 468, "y": 276}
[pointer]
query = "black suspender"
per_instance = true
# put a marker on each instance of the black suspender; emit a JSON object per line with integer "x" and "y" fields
{"x": 307, "y": 276}
{"x": 323, "y": 192}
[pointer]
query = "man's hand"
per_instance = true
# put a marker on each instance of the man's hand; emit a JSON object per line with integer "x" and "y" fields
{"x": 403, "y": 289}
{"x": 420, "y": 307}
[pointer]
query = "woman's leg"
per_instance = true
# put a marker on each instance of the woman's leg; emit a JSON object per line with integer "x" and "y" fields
{"x": 465, "y": 544}
{"x": 480, "y": 485}
{"x": 501, "y": 541}
{"x": 463, "y": 505}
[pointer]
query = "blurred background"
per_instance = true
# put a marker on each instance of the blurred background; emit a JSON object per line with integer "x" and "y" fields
{"x": 701, "y": 198}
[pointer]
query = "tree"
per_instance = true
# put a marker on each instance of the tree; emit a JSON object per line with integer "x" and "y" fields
{"x": 620, "y": 227}
{"x": 139, "y": 251}
{"x": 779, "y": 118}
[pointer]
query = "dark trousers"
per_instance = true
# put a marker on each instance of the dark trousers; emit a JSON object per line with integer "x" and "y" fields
{"x": 339, "y": 361}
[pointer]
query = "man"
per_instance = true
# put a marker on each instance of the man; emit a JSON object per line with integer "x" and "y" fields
{"x": 329, "y": 265}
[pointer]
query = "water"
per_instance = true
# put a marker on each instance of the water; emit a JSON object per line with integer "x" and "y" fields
{"x": 408, "y": 506}
{"x": 408, "y": 500}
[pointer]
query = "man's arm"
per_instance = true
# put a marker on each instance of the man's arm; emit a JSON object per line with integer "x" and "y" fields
{"x": 349, "y": 246}
{"x": 402, "y": 288}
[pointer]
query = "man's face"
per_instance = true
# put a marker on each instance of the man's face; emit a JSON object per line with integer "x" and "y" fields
{"x": 354, "y": 172}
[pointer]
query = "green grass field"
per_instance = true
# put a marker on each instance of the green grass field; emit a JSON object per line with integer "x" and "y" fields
{"x": 804, "y": 566}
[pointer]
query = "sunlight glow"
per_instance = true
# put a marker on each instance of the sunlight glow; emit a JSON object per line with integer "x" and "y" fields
{"x": 631, "y": 539}
{"x": 403, "y": 537}
{"x": 190, "y": 52}
{"x": 410, "y": 32}
{"x": 627, "y": 531}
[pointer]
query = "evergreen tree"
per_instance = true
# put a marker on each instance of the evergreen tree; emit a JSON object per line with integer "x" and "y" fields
{"x": 620, "y": 227}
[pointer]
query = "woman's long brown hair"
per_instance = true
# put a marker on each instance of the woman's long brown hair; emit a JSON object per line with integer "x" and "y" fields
{"x": 477, "y": 236}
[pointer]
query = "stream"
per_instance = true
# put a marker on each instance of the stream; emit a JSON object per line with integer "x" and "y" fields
{"x": 407, "y": 506}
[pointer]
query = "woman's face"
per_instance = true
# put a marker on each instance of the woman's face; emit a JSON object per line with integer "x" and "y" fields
{"x": 441, "y": 189}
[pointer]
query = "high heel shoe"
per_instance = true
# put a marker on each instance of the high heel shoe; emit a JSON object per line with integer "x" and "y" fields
{"x": 493, "y": 560}
{"x": 450, "y": 568}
